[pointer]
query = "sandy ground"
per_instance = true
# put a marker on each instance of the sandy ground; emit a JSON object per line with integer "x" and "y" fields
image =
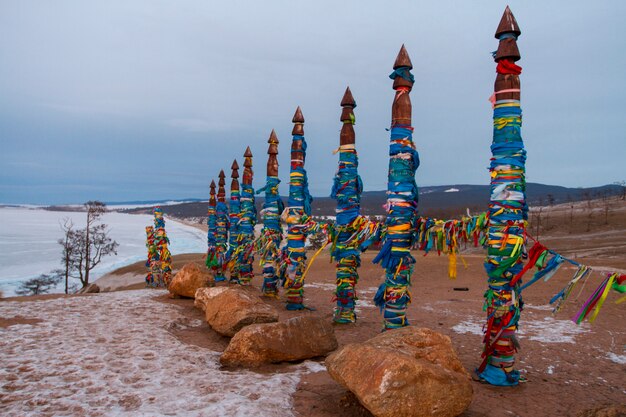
{"x": 139, "y": 353}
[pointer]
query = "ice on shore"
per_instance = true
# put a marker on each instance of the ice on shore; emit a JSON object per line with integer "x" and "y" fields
{"x": 110, "y": 354}
{"x": 29, "y": 247}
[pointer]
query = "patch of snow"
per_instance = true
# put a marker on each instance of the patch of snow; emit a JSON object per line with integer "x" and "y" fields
{"x": 322, "y": 286}
{"x": 469, "y": 326}
{"x": 551, "y": 330}
{"x": 621, "y": 359}
{"x": 550, "y": 370}
{"x": 544, "y": 307}
{"x": 111, "y": 354}
{"x": 548, "y": 330}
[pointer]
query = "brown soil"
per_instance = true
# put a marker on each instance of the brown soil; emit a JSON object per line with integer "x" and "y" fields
{"x": 569, "y": 369}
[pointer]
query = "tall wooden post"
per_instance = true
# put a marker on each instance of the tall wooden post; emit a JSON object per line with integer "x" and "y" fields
{"x": 153, "y": 258}
{"x": 347, "y": 188}
{"x": 161, "y": 242}
{"x": 402, "y": 194}
{"x": 233, "y": 214}
{"x": 272, "y": 234}
{"x": 299, "y": 209}
{"x": 507, "y": 214}
{"x": 245, "y": 244}
{"x": 211, "y": 258}
{"x": 221, "y": 228}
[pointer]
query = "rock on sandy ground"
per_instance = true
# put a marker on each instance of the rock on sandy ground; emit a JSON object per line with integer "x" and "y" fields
{"x": 291, "y": 340}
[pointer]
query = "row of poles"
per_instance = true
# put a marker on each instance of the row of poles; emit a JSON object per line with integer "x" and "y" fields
{"x": 234, "y": 252}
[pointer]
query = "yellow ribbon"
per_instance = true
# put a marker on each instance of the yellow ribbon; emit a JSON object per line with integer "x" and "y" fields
{"x": 602, "y": 298}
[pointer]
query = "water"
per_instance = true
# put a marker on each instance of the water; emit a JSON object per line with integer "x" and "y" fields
{"x": 29, "y": 248}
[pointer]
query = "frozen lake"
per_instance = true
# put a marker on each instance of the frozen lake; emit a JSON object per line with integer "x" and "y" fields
{"x": 28, "y": 242}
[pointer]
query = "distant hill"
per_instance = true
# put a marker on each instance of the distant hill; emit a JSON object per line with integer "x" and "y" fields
{"x": 437, "y": 201}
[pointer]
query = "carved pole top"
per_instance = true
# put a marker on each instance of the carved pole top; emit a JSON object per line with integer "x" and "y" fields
{"x": 234, "y": 184}
{"x": 212, "y": 198}
{"x": 221, "y": 192}
{"x": 247, "y": 170}
{"x": 298, "y": 120}
{"x": 403, "y": 59}
{"x": 403, "y": 84}
{"x": 347, "y": 136}
{"x": 508, "y": 24}
{"x": 272, "y": 151}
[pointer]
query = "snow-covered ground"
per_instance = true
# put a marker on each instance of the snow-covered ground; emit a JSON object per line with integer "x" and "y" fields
{"x": 110, "y": 354}
{"x": 28, "y": 243}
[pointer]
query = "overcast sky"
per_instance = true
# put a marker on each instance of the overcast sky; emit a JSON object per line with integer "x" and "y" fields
{"x": 145, "y": 99}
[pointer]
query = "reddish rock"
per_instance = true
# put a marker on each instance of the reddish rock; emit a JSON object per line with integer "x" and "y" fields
{"x": 292, "y": 340}
{"x": 204, "y": 295}
{"x": 228, "y": 309}
{"x": 187, "y": 281}
{"x": 406, "y": 372}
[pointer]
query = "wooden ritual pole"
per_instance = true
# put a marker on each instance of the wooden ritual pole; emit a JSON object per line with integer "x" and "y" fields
{"x": 161, "y": 242}
{"x": 272, "y": 233}
{"x": 245, "y": 243}
{"x": 233, "y": 214}
{"x": 507, "y": 214}
{"x": 347, "y": 188}
{"x": 298, "y": 212}
{"x": 221, "y": 228}
{"x": 211, "y": 258}
{"x": 402, "y": 195}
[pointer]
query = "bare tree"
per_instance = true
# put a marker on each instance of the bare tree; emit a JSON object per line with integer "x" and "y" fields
{"x": 69, "y": 249}
{"x": 39, "y": 285}
{"x": 90, "y": 244}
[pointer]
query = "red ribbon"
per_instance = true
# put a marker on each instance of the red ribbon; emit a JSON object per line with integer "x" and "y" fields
{"x": 533, "y": 257}
{"x": 508, "y": 67}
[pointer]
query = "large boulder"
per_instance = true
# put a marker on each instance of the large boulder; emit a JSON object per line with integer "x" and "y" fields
{"x": 295, "y": 339}
{"x": 227, "y": 310}
{"x": 204, "y": 295}
{"x": 406, "y": 372}
{"x": 187, "y": 281}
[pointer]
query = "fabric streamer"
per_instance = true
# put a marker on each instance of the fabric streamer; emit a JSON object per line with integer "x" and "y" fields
{"x": 347, "y": 189}
{"x": 594, "y": 303}
{"x": 393, "y": 295}
{"x": 291, "y": 271}
{"x": 446, "y": 236}
{"x": 211, "y": 259}
{"x": 268, "y": 243}
{"x": 152, "y": 263}
{"x": 244, "y": 255}
{"x": 161, "y": 242}
{"x": 222, "y": 224}
{"x": 234, "y": 210}
{"x": 507, "y": 221}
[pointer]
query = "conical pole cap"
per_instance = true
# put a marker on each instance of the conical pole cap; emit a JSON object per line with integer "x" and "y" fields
{"x": 298, "y": 117}
{"x": 347, "y": 99}
{"x": 403, "y": 59}
{"x": 273, "y": 138}
{"x": 248, "y": 158}
{"x": 508, "y": 24}
{"x": 234, "y": 169}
